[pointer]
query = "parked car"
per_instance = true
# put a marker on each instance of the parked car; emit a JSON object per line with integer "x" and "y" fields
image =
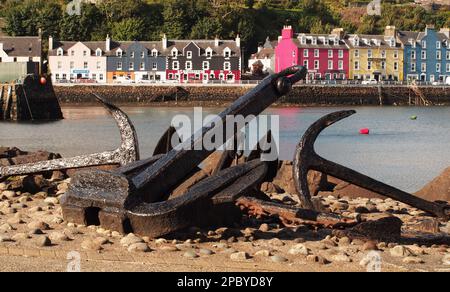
{"x": 124, "y": 79}
{"x": 369, "y": 82}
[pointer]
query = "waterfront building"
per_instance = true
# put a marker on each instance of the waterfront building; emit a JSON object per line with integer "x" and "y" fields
{"x": 136, "y": 62}
{"x": 265, "y": 56}
{"x": 19, "y": 56}
{"x": 326, "y": 56}
{"x": 376, "y": 57}
{"x": 78, "y": 61}
{"x": 427, "y": 54}
{"x": 203, "y": 60}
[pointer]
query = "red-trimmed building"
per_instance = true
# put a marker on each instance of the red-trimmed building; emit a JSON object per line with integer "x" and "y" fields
{"x": 203, "y": 60}
{"x": 325, "y": 56}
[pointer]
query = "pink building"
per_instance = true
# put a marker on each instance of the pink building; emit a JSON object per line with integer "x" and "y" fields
{"x": 325, "y": 56}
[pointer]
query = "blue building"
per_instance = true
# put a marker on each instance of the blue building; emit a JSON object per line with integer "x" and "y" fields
{"x": 426, "y": 55}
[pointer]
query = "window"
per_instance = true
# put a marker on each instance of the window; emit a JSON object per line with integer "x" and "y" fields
{"x": 369, "y": 54}
{"x": 316, "y": 64}
{"x": 119, "y": 53}
{"x": 208, "y": 53}
{"x": 293, "y": 54}
{"x": 383, "y": 54}
{"x": 72, "y": 65}
{"x": 227, "y": 53}
{"x": 314, "y": 41}
{"x": 188, "y": 65}
{"x": 438, "y": 45}
{"x": 205, "y": 65}
{"x": 424, "y": 55}
{"x": 395, "y": 66}
{"x": 395, "y": 54}
{"x": 341, "y": 65}
{"x": 98, "y": 53}
{"x": 154, "y": 53}
{"x": 131, "y": 66}
{"x": 306, "y": 64}
{"x": 424, "y": 67}
{"x": 356, "y": 67}
{"x": 176, "y": 65}
{"x": 85, "y": 65}
{"x": 142, "y": 55}
{"x": 142, "y": 66}
{"x": 383, "y": 65}
{"x": 369, "y": 65}
{"x": 189, "y": 54}
{"x": 330, "y": 53}
{"x": 448, "y": 67}
{"x": 119, "y": 65}
{"x": 326, "y": 42}
{"x": 84, "y": 53}
{"x": 174, "y": 53}
{"x": 330, "y": 65}
{"x": 356, "y": 54}
{"x": 424, "y": 44}
{"x": 316, "y": 53}
{"x": 99, "y": 65}
{"x": 438, "y": 55}
{"x": 154, "y": 66}
{"x": 227, "y": 66}
{"x": 59, "y": 64}
{"x": 57, "y": 76}
{"x": 392, "y": 42}
{"x": 413, "y": 55}
{"x": 59, "y": 52}
{"x": 448, "y": 55}
{"x": 303, "y": 40}
{"x": 341, "y": 54}
{"x": 132, "y": 55}
{"x": 101, "y": 76}
{"x": 94, "y": 76}
{"x": 438, "y": 67}
{"x": 306, "y": 53}
{"x": 413, "y": 67}
{"x": 64, "y": 76}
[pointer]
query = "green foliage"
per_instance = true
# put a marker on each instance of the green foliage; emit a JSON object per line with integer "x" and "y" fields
{"x": 254, "y": 20}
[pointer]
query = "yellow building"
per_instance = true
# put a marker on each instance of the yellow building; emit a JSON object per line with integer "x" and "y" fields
{"x": 376, "y": 57}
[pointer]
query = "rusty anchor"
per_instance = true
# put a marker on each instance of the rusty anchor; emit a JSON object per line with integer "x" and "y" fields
{"x": 135, "y": 198}
{"x": 307, "y": 159}
{"x": 127, "y": 152}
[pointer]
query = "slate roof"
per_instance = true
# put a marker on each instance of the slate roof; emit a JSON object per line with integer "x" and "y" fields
{"x": 383, "y": 41}
{"x": 22, "y": 46}
{"x": 320, "y": 41}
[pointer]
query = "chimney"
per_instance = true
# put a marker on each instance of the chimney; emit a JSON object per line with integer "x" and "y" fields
{"x": 287, "y": 33}
{"x": 338, "y": 32}
{"x": 446, "y": 31}
{"x": 108, "y": 43}
{"x": 260, "y": 48}
{"x": 216, "y": 42}
{"x": 164, "y": 42}
{"x": 50, "y": 43}
{"x": 238, "y": 41}
{"x": 429, "y": 27}
{"x": 390, "y": 31}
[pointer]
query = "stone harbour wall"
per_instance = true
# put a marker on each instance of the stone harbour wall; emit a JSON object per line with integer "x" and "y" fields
{"x": 301, "y": 95}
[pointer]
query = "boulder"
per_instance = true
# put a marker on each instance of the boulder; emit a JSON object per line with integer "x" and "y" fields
{"x": 438, "y": 189}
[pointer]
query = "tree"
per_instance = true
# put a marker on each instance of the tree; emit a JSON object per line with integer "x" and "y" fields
{"x": 206, "y": 28}
{"x": 130, "y": 29}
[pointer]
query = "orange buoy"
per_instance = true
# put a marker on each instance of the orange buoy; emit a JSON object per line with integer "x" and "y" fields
{"x": 364, "y": 131}
{"x": 43, "y": 81}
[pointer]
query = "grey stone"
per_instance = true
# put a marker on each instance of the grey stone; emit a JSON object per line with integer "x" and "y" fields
{"x": 299, "y": 249}
{"x": 130, "y": 239}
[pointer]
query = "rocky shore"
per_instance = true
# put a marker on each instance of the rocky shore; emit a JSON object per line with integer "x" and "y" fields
{"x": 32, "y": 226}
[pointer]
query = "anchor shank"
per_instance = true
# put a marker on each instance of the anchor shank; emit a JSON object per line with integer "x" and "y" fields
{"x": 363, "y": 181}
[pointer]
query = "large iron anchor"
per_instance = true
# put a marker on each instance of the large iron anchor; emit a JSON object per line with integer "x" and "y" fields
{"x": 134, "y": 199}
{"x": 127, "y": 152}
{"x": 307, "y": 159}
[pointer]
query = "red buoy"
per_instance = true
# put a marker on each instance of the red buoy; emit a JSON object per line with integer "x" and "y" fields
{"x": 43, "y": 81}
{"x": 364, "y": 131}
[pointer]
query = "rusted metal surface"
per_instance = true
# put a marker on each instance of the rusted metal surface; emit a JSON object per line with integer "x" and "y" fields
{"x": 292, "y": 216}
{"x": 307, "y": 159}
{"x": 134, "y": 198}
{"x": 128, "y": 151}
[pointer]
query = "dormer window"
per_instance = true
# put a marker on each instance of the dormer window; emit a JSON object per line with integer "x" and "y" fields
{"x": 142, "y": 55}
{"x": 336, "y": 42}
{"x": 60, "y": 52}
{"x": 119, "y": 53}
{"x": 154, "y": 53}
{"x": 227, "y": 52}
{"x": 132, "y": 55}
{"x": 314, "y": 41}
{"x": 98, "y": 53}
{"x": 303, "y": 40}
{"x": 189, "y": 54}
{"x": 326, "y": 42}
{"x": 392, "y": 42}
{"x": 424, "y": 44}
{"x": 356, "y": 42}
{"x": 174, "y": 53}
{"x": 209, "y": 52}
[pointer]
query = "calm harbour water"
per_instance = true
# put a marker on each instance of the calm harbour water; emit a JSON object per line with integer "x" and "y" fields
{"x": 405, "y": 153}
